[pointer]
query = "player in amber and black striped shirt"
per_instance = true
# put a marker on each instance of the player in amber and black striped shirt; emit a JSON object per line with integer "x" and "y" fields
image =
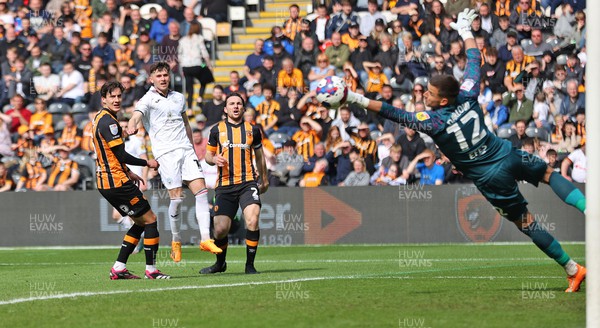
{"x": 118, "y": 185}
{"x": 232, "y": 145}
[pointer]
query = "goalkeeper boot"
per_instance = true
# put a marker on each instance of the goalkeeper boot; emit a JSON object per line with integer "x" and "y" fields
{"x": 215, "y": 268}
{"x": 176, "y": 251}
{"x": 123, "y": 274}
{"x": 576, "y": 279}
{"x": 209, "y": 246}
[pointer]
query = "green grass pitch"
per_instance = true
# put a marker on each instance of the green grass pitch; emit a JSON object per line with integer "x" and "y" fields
{"x": 453, "y": 285}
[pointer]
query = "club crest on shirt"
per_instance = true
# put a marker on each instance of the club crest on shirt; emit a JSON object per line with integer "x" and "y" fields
{"x": 114, "y": 129}
{"x": 422, "y": 116}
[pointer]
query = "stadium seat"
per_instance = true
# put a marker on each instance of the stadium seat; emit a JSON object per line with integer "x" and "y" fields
{"x": 311, "y": 17}
{"x": 61, "y": 108}
{"x": 422, "y": 80}
{"x": 30, "y": 108}
{"x": 406, "y": 98}
{"x": 561, "y": 59}
{"x": 87, "y": 167}
{"x": 79, "y": 108}
{"x": 225, "y": 30}
{"x": 6, "y": 108}
{"x": 542, "y": 134}
{"x": 58, "y": 125}
{"x": 375, "y": 134}
{"x": 145, "y": 9}
{"x": 236, "y": 14}
{"x": 526, "y": 42}
{"x": 278, "y": 138}
{"x": 253, "y": 3}
{"x": 505, "y": 133}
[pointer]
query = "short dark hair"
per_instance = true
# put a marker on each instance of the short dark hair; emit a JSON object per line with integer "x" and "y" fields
{"x": 269, "y": 87}
{"x": 551, "y": 152}
{"x": 160, "y": 66}
{"x": 448, "y": 87}
{"x": 235, "y": 94}
{"x": 108, "y": 87}
{"x": 219, "y": 87}
{"x": 294, "y": 6}
{"x": 528, "y": 142}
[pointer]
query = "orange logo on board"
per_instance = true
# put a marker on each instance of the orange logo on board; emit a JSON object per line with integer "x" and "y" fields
{"x": 477, "y": 220}
{"x": 346, "y": 218}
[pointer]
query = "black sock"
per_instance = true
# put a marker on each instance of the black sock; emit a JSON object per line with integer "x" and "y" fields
{"x": 222, "y": 244}
{"x": 251, "y": 245}
{"x": 151, "y": 240}
{"x": 131, "y": 239}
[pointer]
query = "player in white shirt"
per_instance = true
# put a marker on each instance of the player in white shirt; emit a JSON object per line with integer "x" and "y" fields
{"x": 163, "y": 113}
{"x": 579, "y": 161}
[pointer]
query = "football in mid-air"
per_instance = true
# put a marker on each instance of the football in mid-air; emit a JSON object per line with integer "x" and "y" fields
{"x": 332, "y": 92}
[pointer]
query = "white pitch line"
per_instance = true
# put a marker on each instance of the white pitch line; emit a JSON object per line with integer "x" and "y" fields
{"x": 303, "y": 261}
{"x": 242, "y": 284}
{"x": 295, "y": 246}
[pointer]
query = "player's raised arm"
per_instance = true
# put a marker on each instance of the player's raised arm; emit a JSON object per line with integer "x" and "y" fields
{"x": 470, "y": 85}
{"x": 134, "y": 122}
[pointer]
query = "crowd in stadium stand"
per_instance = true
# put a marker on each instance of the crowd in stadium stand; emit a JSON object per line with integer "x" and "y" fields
{"x": 56, "y": 55}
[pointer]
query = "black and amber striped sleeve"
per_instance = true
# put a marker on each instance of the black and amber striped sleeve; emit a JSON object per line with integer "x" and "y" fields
{"x": 256, "y": 137}
{"x": 110, "y": 130}
{"x": 213, "y": 139}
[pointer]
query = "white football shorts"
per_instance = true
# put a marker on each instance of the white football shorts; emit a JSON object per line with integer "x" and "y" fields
{"x": 177, "y": 166}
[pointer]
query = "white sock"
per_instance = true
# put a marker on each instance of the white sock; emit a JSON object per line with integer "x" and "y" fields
{"x": 203, "y": 214}
{"x": 119, "y": 266}
{"x": 571, "y": 267}
{"x": 125, "y": 222}
{"x": 175, "y": 218}
{"x": 150, "y": 268}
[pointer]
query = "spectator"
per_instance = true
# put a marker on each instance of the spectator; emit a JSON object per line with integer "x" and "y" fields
{"x": 409, "y": 62}
{"x": 431, "y": 172}
{"x": 388, "y": 56}
{"x": 366, "y": 147}
{"x": 396, "y": 158}
{"x": 188, "y": 19}
{"x": 10, "y": 40}
{"x": 367, "y": 21}
{"x": 320, "y": 23}
{"x": 5, "y": 140}
{"x": 131, "y": 94}
{"x": 345, "y": 120}
{"x": 292, "y": 25}
{"x": 338, "y": 53}
{"x": 579, "y": 35}
{"x": 498, "y": 113}
{"x": 505, "y": 52}
{"x": 389, "y": 177}
{"x": 453, "y": 7}
{"x": 532, "y": 78}
{"x": 573, "y": 68}
{"x": 403, "y": 9}
{"x": 36, "y": 59}
{"x": 255, "y": 59}
{"x": 41, "y": 120}
{"x": 351, "y": 39}
{"x": 91, "y": 83}
{"x": 500, "y": 33}
{"x": 306, "y": 57}
{"x": 19, "y": 81}
{"x": 213, "y": 109}
{"x": 447, "y": 36}
{"x": 434, "y": 17}
{"x": 570, "y": 140}
{"x": 376, "y": 79}
{"x": 160, "y": 27}
{"x": 288, "y": 169}
{"x": 32, "y": 173}
{"x": 489, "y": 20}
{"x": 47, "y": 84}
{"x": 87, "y": 136}
{"x": 552, "y": 160}
{"x": 72, "y": 85}
{"x": 341, "y": 157}
{"x": 289, "y": 77}
{"x": 520, "y": 108}
{"x": 57, "y": 47}
{"x": 279, "y": 55}
{"x": 411, "y": 142}
{"x": 350, "y": 77}
{"x": 358, "y": 177}
{"x": 309, "y": 135}
{"x": 317, "y": 177}
{"x": 24, "y": 144}
{"x": 6, "y": 182}
{"x": 341, "y": 23}
{"x": 169, "y": 46}
{"x": 268, "y": 73}
{"x": 560, "y": 80}
{"x": 278, "y": 39}
{"x": 289, "y": 115}
{"x": 578, "y": 160}
{"x": 333, "y": 138}
{"x": 266, "y": 111}
{"x": 320, "y": 152}
{"x": 84, "y": 62}
{"x": 459, "y": 68}
{"x": 135, "y": 25}
{"x": 70, "y": 135}
{"x": 198, "y": 141}
{"x": 417, "y": 96}
{"x": 493, "y": 71}
{"x": 234, "y": 86}
{"x": 195, "y": 62}
{"x": 320, "y": 71}
{"x": 524, "y": 19}
{"x": 538, "y": 45}
{"x": 541, "y": 110}
{"x": 517, "y": 139}
{"x": 305, "y": 32}
{"x": 573, "y": 101}
{"x": 175, "y": 9}
{"x": 19, "y": 114}
{"x": 440, "y": 67}
{"x": 257, "y": 96}
{"x": 63, "y": 174}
